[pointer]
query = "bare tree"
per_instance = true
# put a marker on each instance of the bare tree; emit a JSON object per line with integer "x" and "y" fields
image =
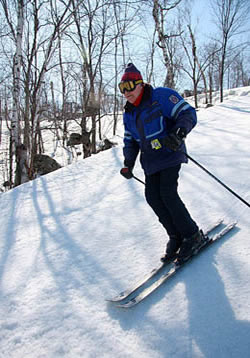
{"x": 166, "y": 41}
{"x": 192, "y": 58}
{"x": 16, "y": 152}
{"x": 119, "y": 39}
{"x": 199, "y": 63}
{"x": 89, "y": 37}
{"x": 37, "y": 24}
{"x": 239, "y": 76}
{"x": 230, "y": 19}
{"x": 212, "y": 51}
{"x": 100, "y": 30}
{"x": 38, "y": 67}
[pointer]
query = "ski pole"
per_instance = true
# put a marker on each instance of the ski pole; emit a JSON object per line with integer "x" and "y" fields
{"x": 138, "y": 179}
{"x": 218, "y": 180}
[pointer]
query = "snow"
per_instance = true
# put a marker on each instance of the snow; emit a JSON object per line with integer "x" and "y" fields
{"x": 73, "y": 238}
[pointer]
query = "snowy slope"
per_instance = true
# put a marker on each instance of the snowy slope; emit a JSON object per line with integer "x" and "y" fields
{"x": 72, "y": 238}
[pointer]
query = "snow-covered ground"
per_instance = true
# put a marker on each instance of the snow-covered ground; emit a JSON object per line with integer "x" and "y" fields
{"x": 72, "y": 238}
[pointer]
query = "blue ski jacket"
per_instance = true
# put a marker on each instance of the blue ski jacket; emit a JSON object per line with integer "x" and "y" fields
{"x": 161, "y": 111}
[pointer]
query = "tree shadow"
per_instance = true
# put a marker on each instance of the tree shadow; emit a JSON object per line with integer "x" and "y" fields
{"x": 12, "y": 200}
{"x": 68, "y": 270}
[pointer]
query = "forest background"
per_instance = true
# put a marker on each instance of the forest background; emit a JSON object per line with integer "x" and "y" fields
{"x": 61, "y": 62}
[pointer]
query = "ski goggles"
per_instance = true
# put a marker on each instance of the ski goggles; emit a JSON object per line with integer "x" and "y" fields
{"x": 128, "y": 85}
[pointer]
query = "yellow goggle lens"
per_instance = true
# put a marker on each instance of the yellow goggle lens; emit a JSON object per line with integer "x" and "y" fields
{"x": 128, "y": 85}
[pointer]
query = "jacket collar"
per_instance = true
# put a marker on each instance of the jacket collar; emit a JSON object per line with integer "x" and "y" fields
{"x": 147, "y": 96}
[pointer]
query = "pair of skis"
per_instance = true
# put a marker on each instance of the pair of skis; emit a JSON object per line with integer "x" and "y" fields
{"x": 158, "y": 276}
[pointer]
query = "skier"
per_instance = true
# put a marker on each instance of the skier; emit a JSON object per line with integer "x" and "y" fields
{"x": 156, "y": 121}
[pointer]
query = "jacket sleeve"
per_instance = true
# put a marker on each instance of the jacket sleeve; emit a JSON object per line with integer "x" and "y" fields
{"x": 186, "y": 119}
{"x": 177, "y": 110}
{"x": 130, "y": 149}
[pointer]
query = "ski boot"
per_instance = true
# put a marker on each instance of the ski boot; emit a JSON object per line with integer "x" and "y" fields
{"x": 191, "y": 245}
{"x": 173, "y": 246}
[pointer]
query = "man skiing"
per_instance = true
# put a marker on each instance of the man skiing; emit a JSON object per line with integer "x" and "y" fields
{"x": 156, "y": 121}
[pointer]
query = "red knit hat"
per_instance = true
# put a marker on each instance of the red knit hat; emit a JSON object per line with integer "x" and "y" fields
{"x": 131, "y": 73}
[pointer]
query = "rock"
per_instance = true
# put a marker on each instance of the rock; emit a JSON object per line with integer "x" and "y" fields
{"x": 43, "y": 164}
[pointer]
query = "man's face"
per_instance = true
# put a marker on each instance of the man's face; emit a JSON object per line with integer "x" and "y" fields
{"x": 133, "y": 95}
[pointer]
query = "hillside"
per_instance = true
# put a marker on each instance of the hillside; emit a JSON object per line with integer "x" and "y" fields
{"x": 72, "y": 238}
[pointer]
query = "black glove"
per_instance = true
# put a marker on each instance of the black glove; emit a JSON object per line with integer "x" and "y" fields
{"x": 175, "y": 139}
{"x": 127, "y": 172}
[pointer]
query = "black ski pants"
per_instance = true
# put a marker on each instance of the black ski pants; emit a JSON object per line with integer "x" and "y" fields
{"x": 162, "y": 195}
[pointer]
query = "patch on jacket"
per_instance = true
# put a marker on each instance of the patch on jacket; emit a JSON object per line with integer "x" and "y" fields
{"x": 174, "y": 99}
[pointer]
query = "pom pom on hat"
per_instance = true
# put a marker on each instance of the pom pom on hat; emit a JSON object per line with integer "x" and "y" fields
{"x": 131, "y": 73}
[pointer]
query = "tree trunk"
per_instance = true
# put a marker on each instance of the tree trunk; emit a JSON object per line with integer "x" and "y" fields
{"x": 15, "y": 140}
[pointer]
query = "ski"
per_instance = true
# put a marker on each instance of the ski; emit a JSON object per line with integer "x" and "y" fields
{"x": 130, "y": 302}
{"x": 124, "y": 294}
